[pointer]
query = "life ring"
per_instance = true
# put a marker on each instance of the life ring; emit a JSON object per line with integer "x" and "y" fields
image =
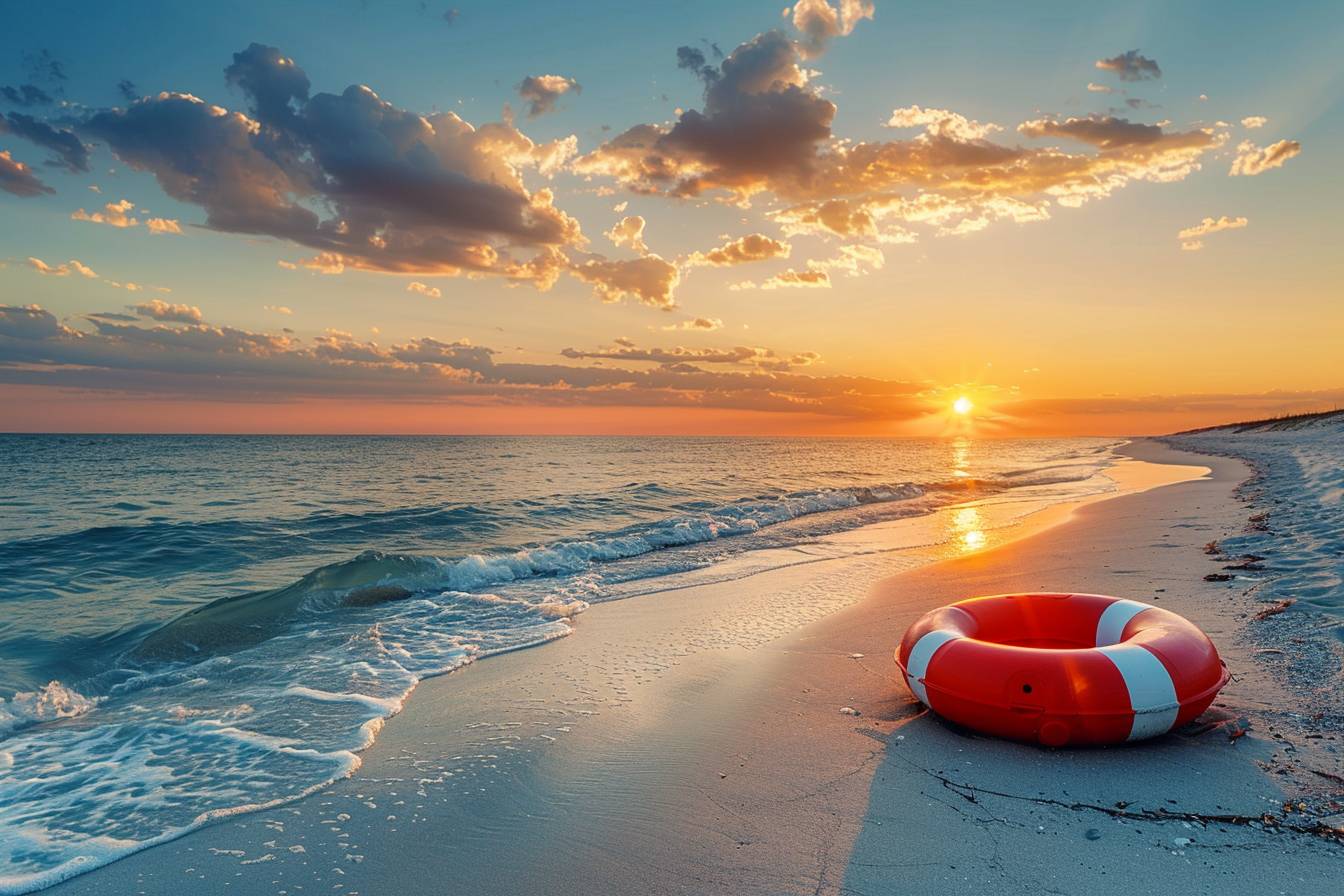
{"x": 1061, "y": 669}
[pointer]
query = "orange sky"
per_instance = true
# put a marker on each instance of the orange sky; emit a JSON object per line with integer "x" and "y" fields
{"x": 35, "y": 408}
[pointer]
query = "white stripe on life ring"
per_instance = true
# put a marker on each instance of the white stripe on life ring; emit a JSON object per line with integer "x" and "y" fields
{"x": 920, "y": 655}
{"x": 1113, "y": 620}
{"x": 1152, "y": 694}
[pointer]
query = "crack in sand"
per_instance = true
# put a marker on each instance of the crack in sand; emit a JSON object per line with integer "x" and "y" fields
{"x": 1265, "y": 823}
{"x": 831, "y": 782}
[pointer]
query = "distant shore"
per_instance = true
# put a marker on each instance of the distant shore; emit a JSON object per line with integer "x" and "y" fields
{"x": 700, "y": 741}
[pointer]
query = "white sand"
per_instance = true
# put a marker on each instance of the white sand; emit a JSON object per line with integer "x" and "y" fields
{"x": 693, "y": 742}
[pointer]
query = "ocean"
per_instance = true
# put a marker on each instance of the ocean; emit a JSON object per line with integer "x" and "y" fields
{"x": 192, "y": 627}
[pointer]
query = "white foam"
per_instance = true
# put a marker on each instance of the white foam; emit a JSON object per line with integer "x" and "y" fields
{"x": 1301, "y": 466}
{"x": 53, "y": 701}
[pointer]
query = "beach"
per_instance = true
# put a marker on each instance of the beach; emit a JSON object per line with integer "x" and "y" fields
{"x": 703, "y": 741}
{"x": 671, "y": 449}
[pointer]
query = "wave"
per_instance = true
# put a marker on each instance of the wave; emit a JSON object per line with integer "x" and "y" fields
{"x": 54, "y": 701}
{"x": 374, "y": 577}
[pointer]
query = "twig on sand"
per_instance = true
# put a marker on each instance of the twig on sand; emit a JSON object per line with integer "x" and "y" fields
{"x": 1276, "y": 608}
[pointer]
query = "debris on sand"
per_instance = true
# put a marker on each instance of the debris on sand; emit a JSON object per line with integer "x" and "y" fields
{"x": 1246, "y": 565}
{"x": 1218, "y": 577}
{"x": 1237, "y": 728}
{"x": 1276, "y": 608}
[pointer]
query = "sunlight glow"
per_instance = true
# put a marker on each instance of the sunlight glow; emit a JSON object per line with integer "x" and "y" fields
{"x": 967, "y": 528}
{"x": 962, "y": 405}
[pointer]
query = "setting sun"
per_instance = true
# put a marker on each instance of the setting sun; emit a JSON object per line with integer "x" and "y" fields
{"x": 962, "y": 405}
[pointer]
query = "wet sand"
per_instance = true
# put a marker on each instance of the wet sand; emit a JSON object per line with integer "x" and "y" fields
{"x": 695, "y": 742}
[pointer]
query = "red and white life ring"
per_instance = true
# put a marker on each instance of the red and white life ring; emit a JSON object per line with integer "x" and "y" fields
{"x": 1061, "y": 668}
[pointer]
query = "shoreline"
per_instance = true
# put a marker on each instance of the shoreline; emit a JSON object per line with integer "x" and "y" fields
{"x": 694, "y": 741}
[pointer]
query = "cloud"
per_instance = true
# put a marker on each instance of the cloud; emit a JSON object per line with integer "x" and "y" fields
{"x": 62, "y": 270}
{"x": 746, "y": 355}
{"x": 692, "y": 59}
{"x": 43, "y": 66}
{"x": 835, "y": 216}
{"x": 430, "y": 292}
{"x": 351, "y": 175}
{"x": 1103, "y": 131}
{"x": 752, "y": 247}
{"x": 67, "y": 150}
{"x": 278, "y": 309}
{"x": 760, "y": 129}
{"x": 1252, "y": 122}
{"x": 204, "y": 361}
{"x": 629, "y": 233}
{"x": 541, "y": 92}
{"x": 114, "y": 214}
{"x": 1094, "y": 87}
{"x": 129, "y": 92}
{"x": 26, "y": 95}
{"x": 1252, "y": 160}
{"x": 1191, "y": 237}
{"x": 765, "y": 128}
{"x": 852, "y": 260}
{"x": 164, "y": 225}
{"x": 810, "y": 278}
{"x": 27, "y": 322}
{"x": 705, "y": 324}
{"x": 649, "y": 279}
{"x": 1131, "y": 66}
{"x": 818, "y": 22}
{"x": 941, "y": 123}
{"x": 118, "y": 214}
{"x": 160, "y": 310}
{"x": 323, "y": 263}
{"x": 1135, "y": 102}
{"x": 1212, "y": 225}
{"x": 18, "y": 178}
{"x": 881, "y": 216}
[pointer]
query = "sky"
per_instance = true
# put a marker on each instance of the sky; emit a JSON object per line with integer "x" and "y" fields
{"x": 829, "y": 218}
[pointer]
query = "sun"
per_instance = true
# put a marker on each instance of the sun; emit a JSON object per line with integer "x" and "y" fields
{"x": 962, "y": 405}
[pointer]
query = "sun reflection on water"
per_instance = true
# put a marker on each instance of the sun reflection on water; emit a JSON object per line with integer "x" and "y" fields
{"x": 961, "y": 457}
{"x": 968, "y": 528}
